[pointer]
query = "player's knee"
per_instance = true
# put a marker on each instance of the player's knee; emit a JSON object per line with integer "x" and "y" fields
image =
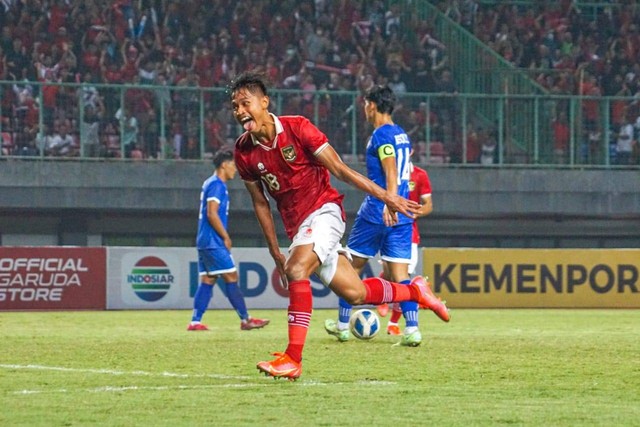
{"x": 295, "y": 271}
{"x": 354, "y": 296}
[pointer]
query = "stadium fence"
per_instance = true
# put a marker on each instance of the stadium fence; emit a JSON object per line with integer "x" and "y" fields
{"x": 164, "y": 123}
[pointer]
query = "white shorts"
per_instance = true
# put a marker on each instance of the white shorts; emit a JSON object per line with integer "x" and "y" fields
{"x": 324, "y": 229}
{"x": 413, "y": 263}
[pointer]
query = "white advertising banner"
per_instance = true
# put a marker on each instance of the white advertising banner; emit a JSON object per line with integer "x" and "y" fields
{"x": 167, "y": 278}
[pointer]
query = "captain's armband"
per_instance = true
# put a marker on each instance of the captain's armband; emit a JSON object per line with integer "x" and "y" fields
{"x": 385, "y": 151}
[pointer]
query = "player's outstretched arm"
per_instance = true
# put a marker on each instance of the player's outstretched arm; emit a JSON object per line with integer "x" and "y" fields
{"x": 332, "y": 161}
{"x": 265, "y": 219}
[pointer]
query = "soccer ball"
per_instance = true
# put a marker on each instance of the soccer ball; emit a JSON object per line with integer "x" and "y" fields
{"x": 364, "y": 324}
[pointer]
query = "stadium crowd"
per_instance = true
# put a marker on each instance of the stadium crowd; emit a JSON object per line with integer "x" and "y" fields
{"x": 333, "y": 45}
{"x": 308, "y": 45}
{"x": 569, "y": 48}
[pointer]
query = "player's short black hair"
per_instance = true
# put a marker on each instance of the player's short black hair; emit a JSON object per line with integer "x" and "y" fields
{"x": 383, "y": 97}
{"x": 222, "y": 156}
{"x": 250, "y": 80}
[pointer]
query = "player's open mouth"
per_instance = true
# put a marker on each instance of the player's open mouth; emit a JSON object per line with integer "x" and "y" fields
{"x": 247, "y": 123}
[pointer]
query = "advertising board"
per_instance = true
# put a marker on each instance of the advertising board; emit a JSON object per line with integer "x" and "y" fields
{"x": 167, "y": 278}
{"x": 52, "y": 278}
{"x": 551, "y": 278}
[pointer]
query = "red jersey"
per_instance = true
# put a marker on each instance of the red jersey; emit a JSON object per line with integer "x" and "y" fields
{"x": 57, "y": 17}
{"x": 91, "y": 61}
{"x": 561, "y": 135}
{"x": 419, "y": 186}
{"x": 289, "y": 170}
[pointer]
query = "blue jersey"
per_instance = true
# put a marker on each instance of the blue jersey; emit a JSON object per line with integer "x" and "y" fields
{"x": 395, "y": 136}
{"x": 212, "y": 189}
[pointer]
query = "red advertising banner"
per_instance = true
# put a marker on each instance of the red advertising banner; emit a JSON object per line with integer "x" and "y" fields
{"x": 52, "y": 278}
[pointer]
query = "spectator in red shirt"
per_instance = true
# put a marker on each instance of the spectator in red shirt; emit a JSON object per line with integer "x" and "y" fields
{"x": 561, "y": 138}
{"x": 213, "y": 132}
{"x": 130, "y": 61}
{"x": 202, "y": 58}
{"x": 473, "y": 144}
{"x": 3, "y": 64}
{"x": 58, "y": 14}
{"x": 61, "y": 38}
{"x": 589, "y": 87}
{"x": 90, "y": 59}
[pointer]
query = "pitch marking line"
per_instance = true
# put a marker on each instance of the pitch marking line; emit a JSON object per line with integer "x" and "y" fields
{"x": 109, "y": 389}
{"x": 117, "y": 372}
{"x": 306, "y": 383}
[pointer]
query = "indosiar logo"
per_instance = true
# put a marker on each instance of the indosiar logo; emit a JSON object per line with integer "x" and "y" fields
{"x": 150, "y": 278}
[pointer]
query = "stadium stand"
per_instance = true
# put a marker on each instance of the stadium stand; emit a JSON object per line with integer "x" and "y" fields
{"x": 175, "y": 56}
{"x": 185, "y": 45}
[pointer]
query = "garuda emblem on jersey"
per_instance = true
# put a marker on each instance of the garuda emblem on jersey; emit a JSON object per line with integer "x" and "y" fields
{"x": 289, "y": 153}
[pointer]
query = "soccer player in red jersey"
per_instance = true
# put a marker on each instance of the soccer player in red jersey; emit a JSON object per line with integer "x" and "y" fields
{"x": 291, "y": 159}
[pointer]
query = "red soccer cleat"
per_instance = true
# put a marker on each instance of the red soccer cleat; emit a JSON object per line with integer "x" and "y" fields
{"x": 429, "y": 300}
{"x": 253, "y": 323}
{"x": 197, "y": 327}
{"x": 383, "y": 310}
{"x": 283, "y": 366}
{"x": 393, "y": 330}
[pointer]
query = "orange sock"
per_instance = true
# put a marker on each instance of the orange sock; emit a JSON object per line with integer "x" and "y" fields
{"x": 299, "y": 314}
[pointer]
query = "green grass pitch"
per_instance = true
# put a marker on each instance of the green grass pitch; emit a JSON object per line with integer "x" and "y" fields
{"x": 486, "y": 367}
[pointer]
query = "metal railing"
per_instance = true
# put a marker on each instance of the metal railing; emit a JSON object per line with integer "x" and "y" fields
{"x": 48, "y": 120}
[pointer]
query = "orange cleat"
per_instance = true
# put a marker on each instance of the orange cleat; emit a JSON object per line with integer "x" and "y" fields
{"x": 393, "y": 330}
{"x": 197, "y": 327}
{"x": 283, "y": 366}
{"x": 428, "y": 300}
{"x": 252, "y": 323}
{"x": 383, "y": 310}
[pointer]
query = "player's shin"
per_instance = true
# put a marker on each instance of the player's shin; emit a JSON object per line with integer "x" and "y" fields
{"x": 409, "y": 310}
{"x": 299, "y": 316}
{"x": 344, "y": 314}
{"x": 396, "y": 313}
{"x": 382, "y": 291}
{"x": 237, "y": 300}
{"x": 201, "y": 301}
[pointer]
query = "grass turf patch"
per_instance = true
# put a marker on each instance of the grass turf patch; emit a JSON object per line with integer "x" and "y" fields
{"x": 486, "y": 367}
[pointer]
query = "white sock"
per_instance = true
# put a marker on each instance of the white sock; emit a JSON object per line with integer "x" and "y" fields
{"x": 410, "y": 329}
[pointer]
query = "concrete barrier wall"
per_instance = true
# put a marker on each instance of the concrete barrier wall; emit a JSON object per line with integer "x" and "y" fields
{"x": 173, "y": 186}
{"x": 71, "y": 202}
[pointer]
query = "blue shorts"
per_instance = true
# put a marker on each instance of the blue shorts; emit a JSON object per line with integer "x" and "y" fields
{"x": 393, "y": 243}
{"x": 216, "y": 261}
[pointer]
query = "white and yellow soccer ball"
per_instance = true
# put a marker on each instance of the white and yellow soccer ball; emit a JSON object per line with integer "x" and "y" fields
{"x": 364, "y": 324}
